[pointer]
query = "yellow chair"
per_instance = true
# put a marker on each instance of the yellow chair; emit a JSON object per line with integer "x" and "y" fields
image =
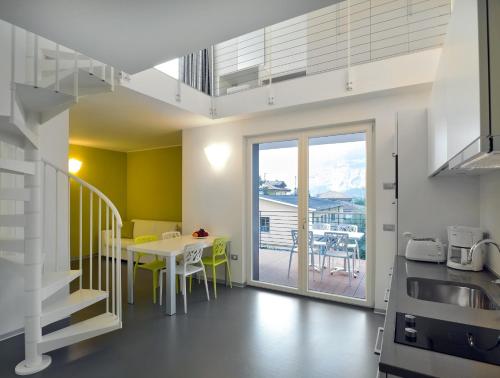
{"x": 219, "y": 257}
{"x": 154, "y": 267}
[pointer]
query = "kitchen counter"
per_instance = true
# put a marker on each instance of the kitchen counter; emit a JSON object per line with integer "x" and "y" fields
{"x": 406, "y": 361}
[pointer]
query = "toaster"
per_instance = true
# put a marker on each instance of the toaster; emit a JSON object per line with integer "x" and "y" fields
{"x": 425, "y": 249}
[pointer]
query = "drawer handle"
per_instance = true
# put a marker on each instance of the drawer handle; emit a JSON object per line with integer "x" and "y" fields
{"x": 386, "y": 295}
{"x": 378, "y": 349}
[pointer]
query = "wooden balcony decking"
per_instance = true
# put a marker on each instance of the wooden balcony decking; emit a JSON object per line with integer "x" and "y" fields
{"x": 274, "y": 269}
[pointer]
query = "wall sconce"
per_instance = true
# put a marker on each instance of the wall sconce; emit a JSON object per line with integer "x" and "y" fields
{"x": 217, "y": 155}
{"x": 74, "y": 165}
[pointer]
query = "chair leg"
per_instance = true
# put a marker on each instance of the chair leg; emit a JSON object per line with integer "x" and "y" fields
{"x": 155, "y": 285}
{"x": 185, "y": 294}
{"x": 206, "y": 283}
{"x": 190, "y": 283}
{"x": 214, "y": 280}
{"x": 348, "y": 260}
{"x": 322, "y": 270}
{"x": 161, "y": 285}
{"x": 229, "y": 274}
{"x": 290, "y": 262}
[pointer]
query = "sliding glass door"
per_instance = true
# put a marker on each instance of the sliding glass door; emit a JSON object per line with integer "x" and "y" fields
{"x": 309, "y": 213}
{"x": 337, "y": 214}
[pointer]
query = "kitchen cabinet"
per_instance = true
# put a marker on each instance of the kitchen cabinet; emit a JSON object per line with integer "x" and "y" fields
{"x": 463, "y": 113}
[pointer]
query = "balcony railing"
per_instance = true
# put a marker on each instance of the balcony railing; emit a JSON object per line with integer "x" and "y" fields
{"x": 275, "y": 231}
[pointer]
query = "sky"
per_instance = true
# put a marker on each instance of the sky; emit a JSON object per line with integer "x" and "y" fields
{"x": 340, "y": 167}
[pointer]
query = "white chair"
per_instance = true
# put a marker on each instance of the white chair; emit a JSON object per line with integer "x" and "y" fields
{"x": 170, "y": 235}
{"x": 189, "y": 264}
{"x": 336, "y": 246}
{"x": 353, "y": 245}
{"x": 311, "y": 245}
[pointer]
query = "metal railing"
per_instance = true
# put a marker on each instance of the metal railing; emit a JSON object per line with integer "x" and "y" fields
{"x": 96, "y": 215}
{"x": 339, "y": 36}
{"x": 275, "y": 227}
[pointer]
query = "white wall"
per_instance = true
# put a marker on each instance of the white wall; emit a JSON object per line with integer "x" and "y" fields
{"x": 216, "y": 199}
{"x": 490, "y": 214}
{"x": 427, "y": 206}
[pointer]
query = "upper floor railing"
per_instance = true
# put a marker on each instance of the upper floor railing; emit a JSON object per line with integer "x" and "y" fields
{"x": 339, "y": 36}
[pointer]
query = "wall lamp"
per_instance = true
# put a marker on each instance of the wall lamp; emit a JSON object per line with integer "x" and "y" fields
{"x": 74, "y": 165}
{"x": 217, "y": 155}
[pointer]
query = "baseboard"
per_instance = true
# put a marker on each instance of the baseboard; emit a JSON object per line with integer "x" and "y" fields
{"x": 379, "y": 311}
{"x": 11, "y": 334}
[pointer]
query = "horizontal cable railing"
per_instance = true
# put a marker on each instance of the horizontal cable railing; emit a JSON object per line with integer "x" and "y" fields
{"x": 345, "y": 34}
{"x": 275, "y": 227}
{"x": 94, "y": 213}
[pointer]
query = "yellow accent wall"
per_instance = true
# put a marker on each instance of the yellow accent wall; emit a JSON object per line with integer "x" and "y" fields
{"x": 142, "y": 185}
{"x": 107, "y": 171}
{"x": 154, "y": 184}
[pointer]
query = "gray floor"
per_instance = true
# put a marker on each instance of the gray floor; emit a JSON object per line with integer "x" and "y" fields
{"x": 244, "y": 333}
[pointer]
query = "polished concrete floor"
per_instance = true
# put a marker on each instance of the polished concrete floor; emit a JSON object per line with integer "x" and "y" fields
{"x": 246, "y": 332}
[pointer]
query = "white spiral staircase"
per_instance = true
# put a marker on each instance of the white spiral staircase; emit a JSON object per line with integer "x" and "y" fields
{"x": 47, "y": 79}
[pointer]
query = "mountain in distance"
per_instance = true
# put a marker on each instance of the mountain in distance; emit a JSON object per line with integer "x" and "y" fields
{"x": 356, "y": 192}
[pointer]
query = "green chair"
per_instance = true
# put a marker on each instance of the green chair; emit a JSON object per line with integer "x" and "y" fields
{"x": 154, "y": 267}
{"x": 219, "y": 257}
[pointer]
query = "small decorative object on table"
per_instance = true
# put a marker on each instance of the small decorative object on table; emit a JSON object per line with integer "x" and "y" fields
{"x": 200, "y": 234}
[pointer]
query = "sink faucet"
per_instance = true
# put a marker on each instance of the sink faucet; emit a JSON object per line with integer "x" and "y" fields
{"x": 478, "y": 244}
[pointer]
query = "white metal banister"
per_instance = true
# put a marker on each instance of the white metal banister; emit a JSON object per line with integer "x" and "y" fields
{"x": 92, "y": 188}
{"x": 91, "y": 236}
{"x": 99, "y": 248}
{"x": 80, "y": 234}
{"x": 111, "y": 238}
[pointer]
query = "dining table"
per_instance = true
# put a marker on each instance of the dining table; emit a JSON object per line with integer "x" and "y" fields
{"x": 354, "y": 235}
{"x": 167, "y": 249}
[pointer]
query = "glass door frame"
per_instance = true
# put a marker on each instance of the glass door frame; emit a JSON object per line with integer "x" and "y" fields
{"x": 303, "y": 136}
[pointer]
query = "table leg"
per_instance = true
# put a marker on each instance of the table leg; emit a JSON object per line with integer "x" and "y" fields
{"x": 170, "y": 291}
{"x": 130, "y": 276}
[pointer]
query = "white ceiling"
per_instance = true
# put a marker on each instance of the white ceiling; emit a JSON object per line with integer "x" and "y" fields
{"x": 133, "y": 35}
{"x": 125, "y": 120}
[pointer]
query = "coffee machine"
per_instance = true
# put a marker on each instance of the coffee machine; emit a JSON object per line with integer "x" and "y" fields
{"x": 460, "y": 241}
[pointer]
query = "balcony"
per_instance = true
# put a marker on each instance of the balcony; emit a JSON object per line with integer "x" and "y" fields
{"x": 326, "y": 274}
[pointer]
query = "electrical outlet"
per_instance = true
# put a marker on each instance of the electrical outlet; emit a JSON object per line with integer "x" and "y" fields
{"x": 389, "y": 227}
{"x": 234, "y": 257}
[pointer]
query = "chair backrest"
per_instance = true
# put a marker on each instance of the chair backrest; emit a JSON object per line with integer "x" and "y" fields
{"x": 347, "y": 227}
{"x": 219, "y": 247}
{"x": 192, "y": 253}
{"x": 336, "y": 241}
{"x": 170, "y": 235}
{"x": 295, "y": 237}
{"x": 321, "y": 226}
{"x": 145, "y": 239}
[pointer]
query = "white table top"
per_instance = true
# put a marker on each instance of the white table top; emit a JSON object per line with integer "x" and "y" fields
{"x": 352, "y": 235}
{"x": 171, "y": 247}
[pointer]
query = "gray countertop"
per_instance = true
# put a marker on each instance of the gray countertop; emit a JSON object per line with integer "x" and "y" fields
{"x": 408, "y": 361}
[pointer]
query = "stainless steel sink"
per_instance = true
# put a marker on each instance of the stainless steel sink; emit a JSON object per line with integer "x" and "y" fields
{"x": 458, "y": 294}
